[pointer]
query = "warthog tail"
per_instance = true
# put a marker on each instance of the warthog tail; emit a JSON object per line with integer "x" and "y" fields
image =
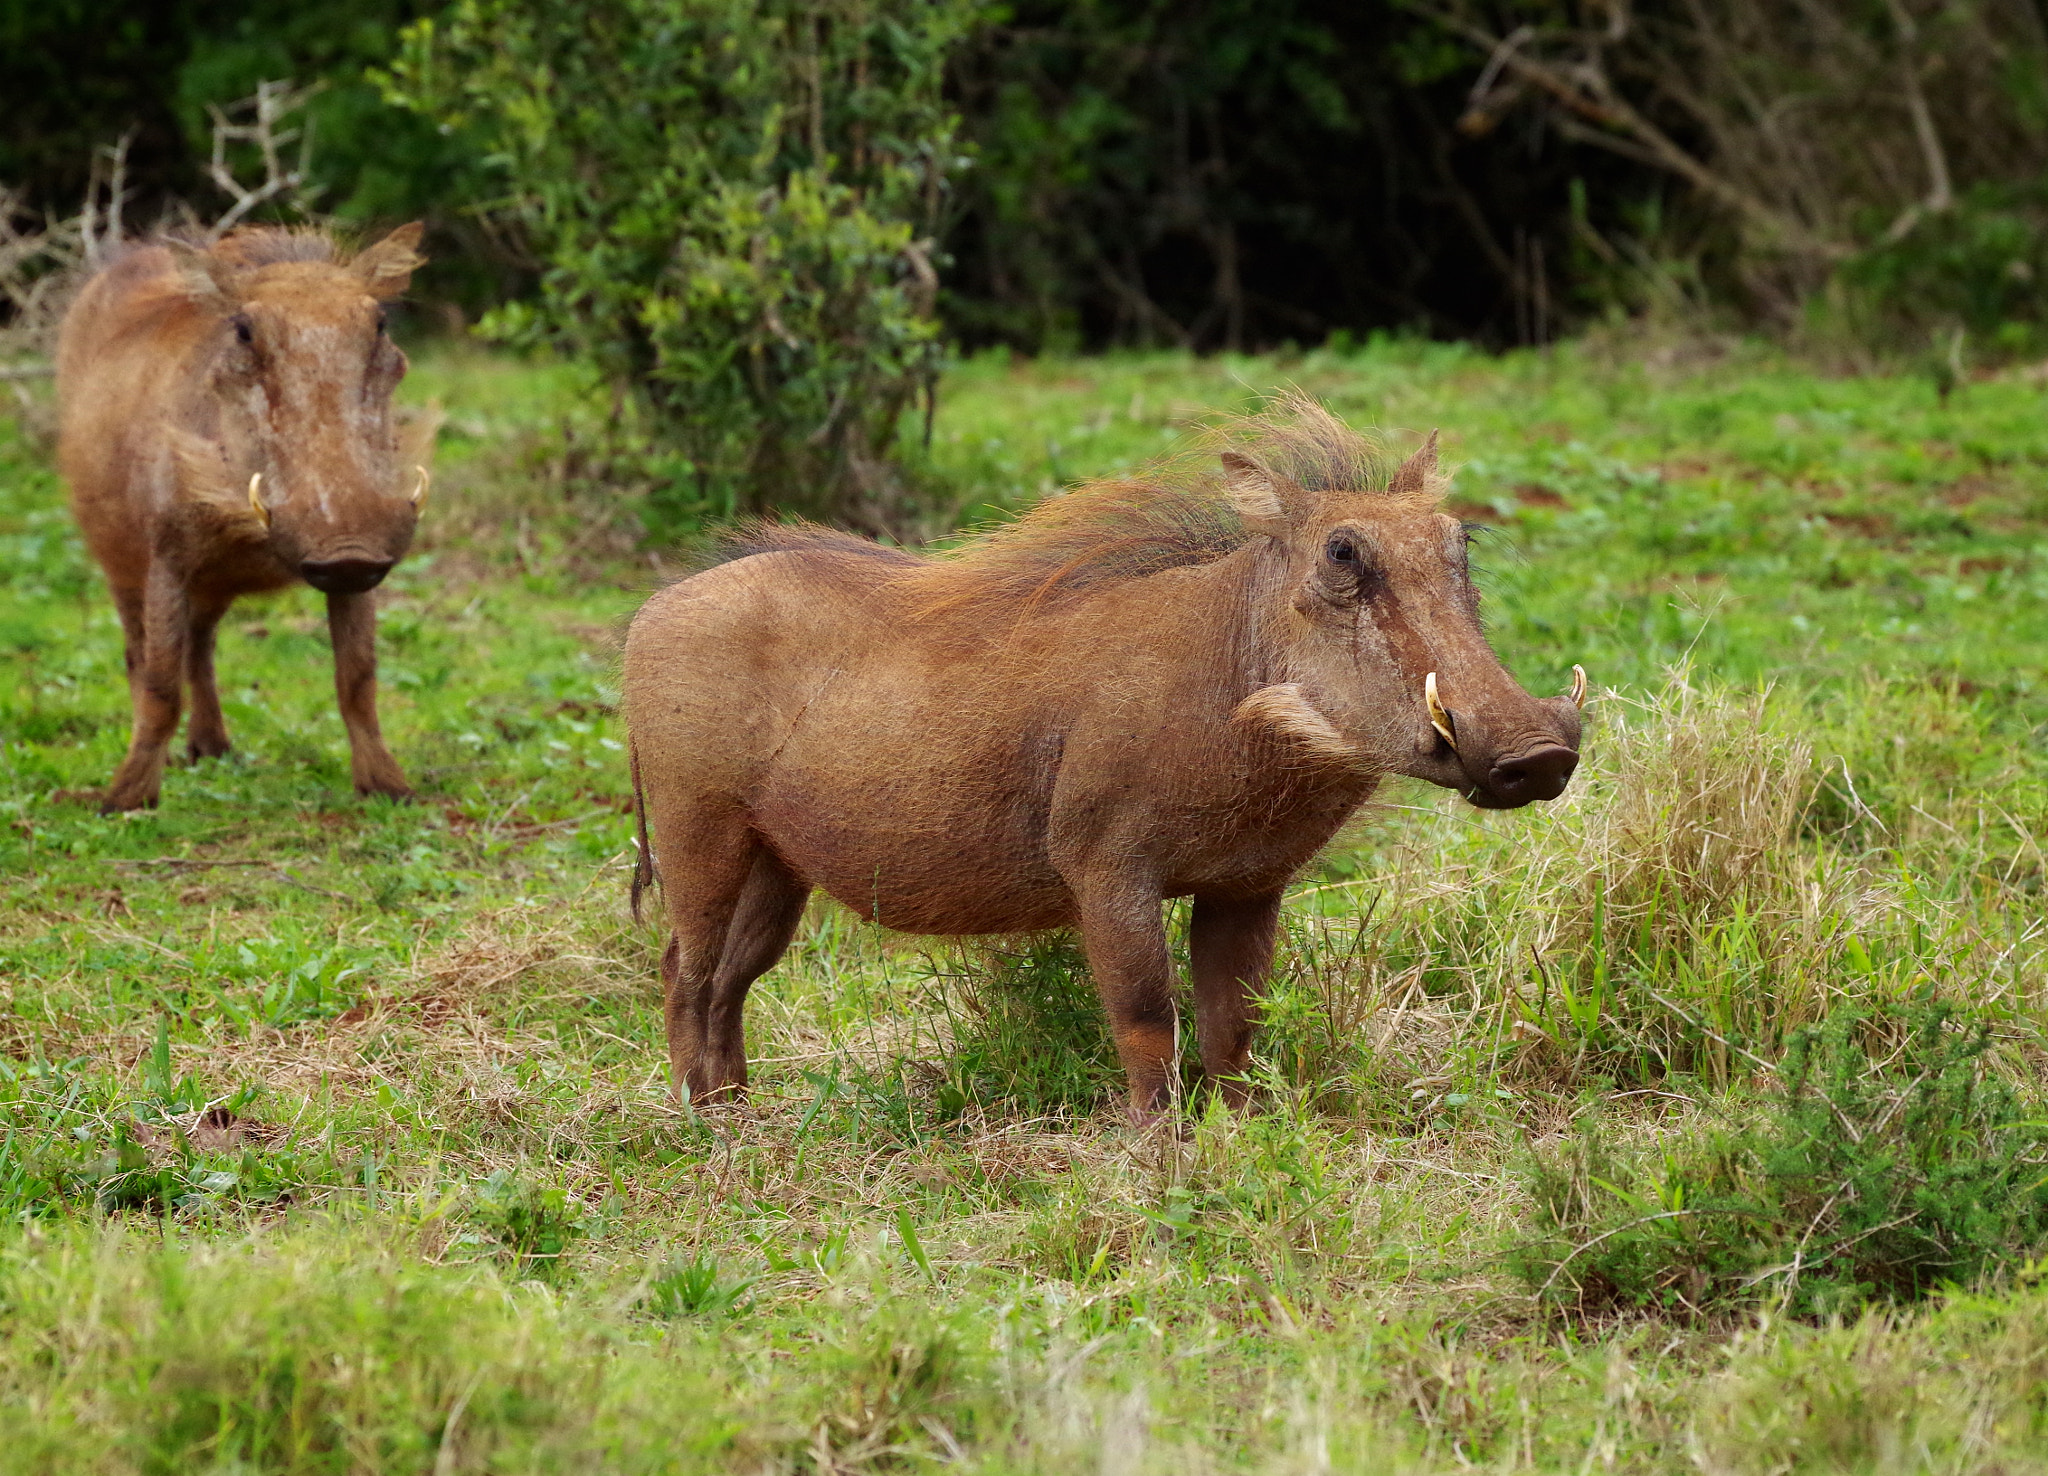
{"x": 643, "y": 862}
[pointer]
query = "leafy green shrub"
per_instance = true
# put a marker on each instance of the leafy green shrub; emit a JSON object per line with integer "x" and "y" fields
{"x": 734, "y": 200}
{"x": 1889, "y": 1162}
{"x": 696, "y": 1288}
{"x": 1980, "y": 267}
{"x": 535, "y": 1226}
{"x": 1029, "y": 1035}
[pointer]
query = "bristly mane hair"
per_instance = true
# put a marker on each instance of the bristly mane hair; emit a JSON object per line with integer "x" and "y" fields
{"x": 1169, "y": 516}
{"x": 207, "y": 271}
{"x": 262, "y": 246}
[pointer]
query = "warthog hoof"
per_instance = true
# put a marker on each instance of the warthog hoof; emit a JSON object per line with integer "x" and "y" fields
{"x": 126, "y": 799}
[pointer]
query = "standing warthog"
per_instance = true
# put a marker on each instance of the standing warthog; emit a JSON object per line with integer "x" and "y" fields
{"x": 1165, "y": 687}
{"x": 227, "y": 429}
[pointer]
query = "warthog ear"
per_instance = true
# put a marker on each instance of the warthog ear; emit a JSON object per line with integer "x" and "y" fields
{"x": 1254, "y": 494}
{"x": 1418, "y": 476}
{"x": 387, "y": 267}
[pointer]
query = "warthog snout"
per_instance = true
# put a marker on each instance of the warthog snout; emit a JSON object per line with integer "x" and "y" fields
{"x": 1540, "y": 773}
{"x": 1511, "y": 751}
{"x": 344, "y": 576}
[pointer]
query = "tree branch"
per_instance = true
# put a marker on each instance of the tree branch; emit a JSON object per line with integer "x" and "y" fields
{"x": 1584, "y": 91}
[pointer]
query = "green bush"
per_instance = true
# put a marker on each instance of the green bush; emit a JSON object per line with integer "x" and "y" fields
{"x": 696, "y": 1288}
{"x": 1980, "y": 269}
{"x": 1029, "y": 1035}
{"x": 734, "y": 202}
{"x": 534, "y": 1226}
{"x": 1888, "y": 1162}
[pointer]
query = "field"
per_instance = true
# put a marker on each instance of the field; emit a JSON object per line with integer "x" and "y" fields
{"x": 1690, "y": 1122}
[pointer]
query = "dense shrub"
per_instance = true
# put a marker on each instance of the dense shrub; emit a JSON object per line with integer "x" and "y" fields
{"x": 1888, "y": 1162}
{"x": 1977, "y": 269}
{"x": 534, "y": 1225}
{"x": 734, "y": 202}
{"x": 1029, "y": 1035}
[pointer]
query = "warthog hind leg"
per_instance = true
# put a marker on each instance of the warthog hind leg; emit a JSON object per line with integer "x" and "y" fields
{"x": 1230, "y": 948}
{"x": 206, "y": 731}
{"x": 701, "y": 890}
{"x": 770, "y": 907}
{"x": 352, "y": 626}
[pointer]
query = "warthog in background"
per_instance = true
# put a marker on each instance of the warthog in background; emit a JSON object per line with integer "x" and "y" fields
{"x": 1175, "y": 686}
{"x": 227, "y": 429}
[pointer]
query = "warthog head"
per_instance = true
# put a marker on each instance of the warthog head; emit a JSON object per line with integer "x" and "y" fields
{"x": 1377, "y": 627}
{"x": 292, "y": 434}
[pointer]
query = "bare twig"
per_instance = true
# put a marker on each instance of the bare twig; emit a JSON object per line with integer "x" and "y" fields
{"x": 41, "y": 256}
{"x": 1940, "y": 192}
{"x": 1803, "y": 121}
{"x": 100, "y": 228}
{"x": 272, "y": 104}
{"x": 1582, "y": 88}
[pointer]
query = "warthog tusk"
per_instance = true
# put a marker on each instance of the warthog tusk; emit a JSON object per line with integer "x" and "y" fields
{"x": 1439, "y": 715}
{"x": 419, "y": 493}
{"x": 1578, "y": 686}
{"x": 256, "y": 500}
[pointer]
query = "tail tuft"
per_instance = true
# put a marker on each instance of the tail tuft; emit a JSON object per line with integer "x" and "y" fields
{"x": 643, "y": 860}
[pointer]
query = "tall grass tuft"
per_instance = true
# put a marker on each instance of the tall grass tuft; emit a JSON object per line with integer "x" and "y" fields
{"x": 1887, "y": 1162}
{"x": 1714, "y": 880}
{"x": 1028, "y": 1035}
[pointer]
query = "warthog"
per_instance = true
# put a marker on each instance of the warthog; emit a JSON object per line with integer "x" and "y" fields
{"x": 227, "y": 429}
{"x": 1175, "y": 686}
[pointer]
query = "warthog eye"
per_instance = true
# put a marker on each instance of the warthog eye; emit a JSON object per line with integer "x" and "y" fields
{"x": 1342, "y": 550}
{"x": 244, "y": 333}
{"x": 383, "y": 319}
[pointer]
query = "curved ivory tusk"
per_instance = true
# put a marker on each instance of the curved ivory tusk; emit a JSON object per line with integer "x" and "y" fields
{"x": 419, "y": 492}
{"x": 1439, "y": 715}
{"x": 1578, "y": 686}
{"x": 256, "y": 499}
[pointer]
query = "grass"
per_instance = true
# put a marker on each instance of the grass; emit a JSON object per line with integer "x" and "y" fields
{"x": 334, "y": 1135}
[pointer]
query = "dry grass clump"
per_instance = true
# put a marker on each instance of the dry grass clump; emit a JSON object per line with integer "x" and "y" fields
{"x": 1682, "y": 909}
{"x": 1958, "y": 1389}
{"x": 1667, "y": 901}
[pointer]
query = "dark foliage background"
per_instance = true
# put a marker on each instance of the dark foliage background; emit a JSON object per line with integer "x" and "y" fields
{"x": 1240, "y": 173}
{"x": 1209, "y": 173}
{"x": 1245, "y": 173}
{"x": 78, "y": 74}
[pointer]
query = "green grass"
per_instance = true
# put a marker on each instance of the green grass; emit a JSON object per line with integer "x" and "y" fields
{"x": 334, "y": 1135}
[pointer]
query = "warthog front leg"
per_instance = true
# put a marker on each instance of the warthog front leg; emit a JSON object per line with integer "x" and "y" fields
{"x": 206, "y": 731}
{"x": 352, "y": 627}
{"x": 1125, "y": 938}
{"x": 155, "y": 686}
{"x": 1230, "y": 948}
